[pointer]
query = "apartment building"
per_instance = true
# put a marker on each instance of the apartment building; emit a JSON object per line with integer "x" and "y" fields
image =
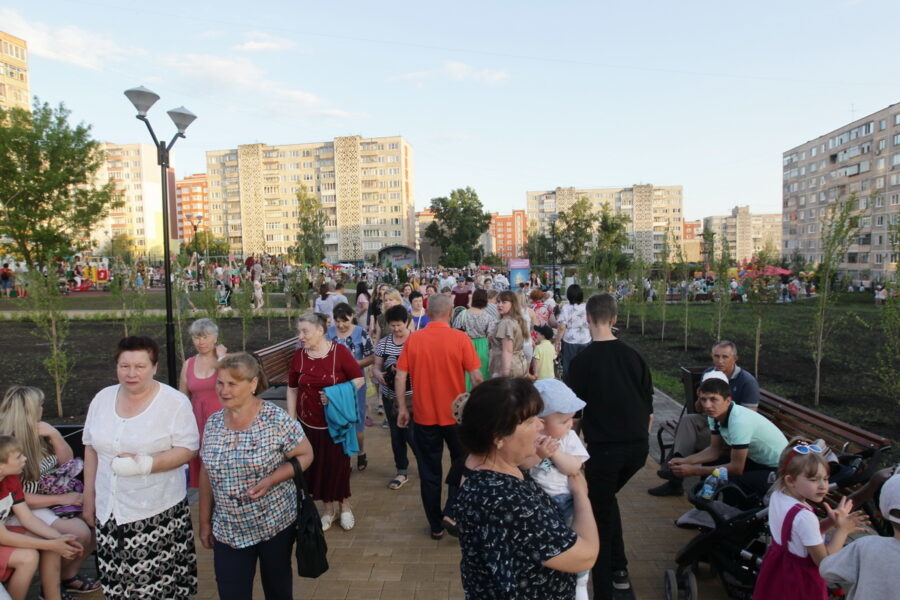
{"x": 135, "y": 172}
{"x": 654, "y": 212}
{"x": 365, "y": 186}
{"x": 14, "y": 85}
{"x": 746, "y": 233}
{"x": 692, "y": 240}
{"x": 861, "y": 158}
{"x": 191, "y": 206}
{"x": 507, "y": 234}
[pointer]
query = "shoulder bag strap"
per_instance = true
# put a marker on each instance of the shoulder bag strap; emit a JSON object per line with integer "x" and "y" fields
{"x": 299, "y": 479}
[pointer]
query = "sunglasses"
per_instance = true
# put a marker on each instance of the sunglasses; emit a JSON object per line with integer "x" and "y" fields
{"x": 803, "y": 448}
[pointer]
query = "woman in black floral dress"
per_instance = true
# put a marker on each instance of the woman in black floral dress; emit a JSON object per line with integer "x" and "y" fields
{"x": 515, "y": 543}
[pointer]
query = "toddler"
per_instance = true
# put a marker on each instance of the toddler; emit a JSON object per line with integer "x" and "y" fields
{"x": 868, "y": 568}
{"x": 790, "y": 567}
{"x": 544, "y": 353}
{"x": 560, "y": 453}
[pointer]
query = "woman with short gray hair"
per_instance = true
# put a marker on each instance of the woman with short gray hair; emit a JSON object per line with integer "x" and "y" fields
{"x": 198, "y": 381}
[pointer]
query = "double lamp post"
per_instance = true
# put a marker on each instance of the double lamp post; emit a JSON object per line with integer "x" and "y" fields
{"x": 143, "y": 99}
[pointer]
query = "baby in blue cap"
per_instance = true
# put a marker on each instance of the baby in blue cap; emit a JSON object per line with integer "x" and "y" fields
{"x": 560, "y": 453}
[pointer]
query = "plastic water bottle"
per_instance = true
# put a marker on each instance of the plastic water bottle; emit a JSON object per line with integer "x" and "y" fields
{"x": 710, "y": 485}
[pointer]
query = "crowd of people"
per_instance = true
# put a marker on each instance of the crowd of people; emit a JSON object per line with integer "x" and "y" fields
{"x": 545, "y": 413}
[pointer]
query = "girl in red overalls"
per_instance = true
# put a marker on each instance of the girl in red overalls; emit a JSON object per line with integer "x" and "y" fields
{"x": 790, "y": 568}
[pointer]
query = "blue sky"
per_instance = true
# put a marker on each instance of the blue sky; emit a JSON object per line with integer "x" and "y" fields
{"x": 501, "y": 96}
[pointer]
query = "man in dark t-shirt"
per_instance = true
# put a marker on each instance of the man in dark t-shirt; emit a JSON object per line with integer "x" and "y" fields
{"x": 614, "y": 381}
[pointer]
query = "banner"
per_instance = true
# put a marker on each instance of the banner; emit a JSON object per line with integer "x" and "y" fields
{"x": 519, "y": 271}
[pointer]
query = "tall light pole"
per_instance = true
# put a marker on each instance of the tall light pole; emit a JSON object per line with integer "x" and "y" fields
{"x": 195, "y": 225}
{"x": 143, "y": 99}
{"x": 553, "y": 252}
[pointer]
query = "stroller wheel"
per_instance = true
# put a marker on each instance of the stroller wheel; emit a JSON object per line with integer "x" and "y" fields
{"x": 670, "y": 585}
{"x": 690, "y": 586}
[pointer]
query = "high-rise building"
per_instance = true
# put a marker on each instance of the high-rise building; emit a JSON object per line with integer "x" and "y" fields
{"x": 14, "y": 86}
{"x": 861, "y": 158}
{"x": 365, "y": 186}
{"x": 746, "y": 233}
{"x": 654, "y": 212}
{"x": 508, "y": 234}
{"x": 691, "y": 240}
{"x": 136, "y": 174}
{"x": 191, "y": 206}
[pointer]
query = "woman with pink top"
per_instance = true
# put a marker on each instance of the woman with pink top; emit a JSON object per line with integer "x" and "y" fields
{"x": 198, "y": 381}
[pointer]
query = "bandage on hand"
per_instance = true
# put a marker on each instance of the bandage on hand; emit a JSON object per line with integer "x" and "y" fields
{"x": 132, "y": 466}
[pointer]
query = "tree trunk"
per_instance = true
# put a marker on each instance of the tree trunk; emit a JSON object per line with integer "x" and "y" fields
{"x": 54, "y": 357}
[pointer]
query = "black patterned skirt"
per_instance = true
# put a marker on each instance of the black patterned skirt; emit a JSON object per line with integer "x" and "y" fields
{"x": 151, "y": 558}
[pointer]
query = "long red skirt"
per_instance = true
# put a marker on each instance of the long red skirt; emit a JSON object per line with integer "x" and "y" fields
{"x": 328, "y": 477}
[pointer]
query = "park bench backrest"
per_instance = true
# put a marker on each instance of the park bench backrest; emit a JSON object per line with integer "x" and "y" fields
{"x": 276, "y": 360}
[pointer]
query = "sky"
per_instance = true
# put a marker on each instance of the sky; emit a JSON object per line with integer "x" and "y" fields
{"x": 502, "y": 96}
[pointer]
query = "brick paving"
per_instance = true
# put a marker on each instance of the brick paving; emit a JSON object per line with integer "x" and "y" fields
{"x": 390, "y": 556}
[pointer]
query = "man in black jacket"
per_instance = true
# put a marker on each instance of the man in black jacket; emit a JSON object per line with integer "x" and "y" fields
{"x": 614, "y": 381}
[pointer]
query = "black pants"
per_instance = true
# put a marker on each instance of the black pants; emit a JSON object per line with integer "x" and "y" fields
{"x": 400, "y": 437}
{"x": 429, "y": 442}
{"x": 607, "y": 471}
{"x": 236, "y": 568}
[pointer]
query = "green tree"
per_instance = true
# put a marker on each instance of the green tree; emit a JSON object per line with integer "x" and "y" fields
{"x": 640, "y": 272}
{"x": 46, "y": 312}
{"x": 889, "y": 356}
{"x": 458, "y": 223}
{"x": 47, "y": 183}
{"x": 121, "y": 246}
{"x": 708, "y": 247}
{"x": 663, "y": 283}
{"x": 721, "y": 292}
{"x": 538, "y": 247}
{"x": 608, "y": 259}
{"x": 761, "y": 294}
{"x": 839, "y": 228}
{"x": 576, "y": 230}
{"x": 684, "y": 272}
{"x": 205, "y": 244}
{"x": 310, "y": 246}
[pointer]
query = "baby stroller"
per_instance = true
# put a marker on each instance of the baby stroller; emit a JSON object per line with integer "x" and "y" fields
{"x": 733, "y": 536}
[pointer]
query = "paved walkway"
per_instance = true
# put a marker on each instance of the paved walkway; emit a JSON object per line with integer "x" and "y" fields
{"x": 390, "y": 556}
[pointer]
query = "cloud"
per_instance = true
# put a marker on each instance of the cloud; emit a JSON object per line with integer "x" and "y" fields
{"x": 454, "y": 70}
{"x": 463, "y": 72}
{"x": 263, "y": 42}
{"x": 222, "y": 74}
{"x": 68, "y": 44}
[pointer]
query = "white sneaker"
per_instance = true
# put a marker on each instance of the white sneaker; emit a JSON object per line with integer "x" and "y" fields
{"x": 347, "y": 520}
{"x": 326, "y": 522}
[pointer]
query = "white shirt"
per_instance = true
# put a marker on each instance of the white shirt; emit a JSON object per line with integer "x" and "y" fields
{"x": 545, "y": 473}
{"x": 166, "y": 423}
{"x": 806, "y": 525}
{"x": 575, "y": 319}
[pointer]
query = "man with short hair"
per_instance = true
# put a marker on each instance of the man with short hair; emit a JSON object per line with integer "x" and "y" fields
{"x": 437, "y": 358}
{"x": 692, "y": 433}
{"x": 755, "y": 442}
{"x": 615, "y": 383}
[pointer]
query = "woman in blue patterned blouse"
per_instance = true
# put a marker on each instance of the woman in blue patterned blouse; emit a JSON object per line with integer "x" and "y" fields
{"x": 248, "y": 503}
{"x": 515, "y": 543}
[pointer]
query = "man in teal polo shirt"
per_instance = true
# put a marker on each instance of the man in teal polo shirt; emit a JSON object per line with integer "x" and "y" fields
{"x": 755, "y": 442}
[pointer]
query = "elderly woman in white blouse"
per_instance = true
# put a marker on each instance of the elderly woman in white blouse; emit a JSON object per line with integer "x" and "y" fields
{"x": 138, "y": 437}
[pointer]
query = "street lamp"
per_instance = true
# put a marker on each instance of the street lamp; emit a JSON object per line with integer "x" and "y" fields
{"x": 190, "y": 218}
{"x": 143, "y": 99}
{"x": 553, "y": 252}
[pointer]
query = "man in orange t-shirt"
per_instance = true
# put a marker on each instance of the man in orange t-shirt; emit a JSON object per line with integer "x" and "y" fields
{"x": 438, "y": 357}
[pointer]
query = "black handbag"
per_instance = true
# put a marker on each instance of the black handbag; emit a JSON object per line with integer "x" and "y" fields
{"x": 311, "y": 550}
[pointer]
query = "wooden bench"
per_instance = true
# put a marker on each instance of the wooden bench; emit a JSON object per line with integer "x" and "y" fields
{"x": 793, "y": 419}
{"x": 275, "y": 361}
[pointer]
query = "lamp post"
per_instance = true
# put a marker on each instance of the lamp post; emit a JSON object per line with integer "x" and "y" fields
{"x": 143, "y": 99}
{"x": 553, "y": 252}
{"x": 195, "y": 225}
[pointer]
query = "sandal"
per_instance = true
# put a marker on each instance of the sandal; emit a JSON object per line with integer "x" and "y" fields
{"x": 80, "y": 584}
{"x": 437, "y": 535}
{"x": 397, "y": 483}
{"x": 361, "y": 461}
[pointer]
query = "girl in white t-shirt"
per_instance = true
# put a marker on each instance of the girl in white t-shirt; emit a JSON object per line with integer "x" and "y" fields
{"x": 790, "y": 567}
{"x": 560, "y": 453}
